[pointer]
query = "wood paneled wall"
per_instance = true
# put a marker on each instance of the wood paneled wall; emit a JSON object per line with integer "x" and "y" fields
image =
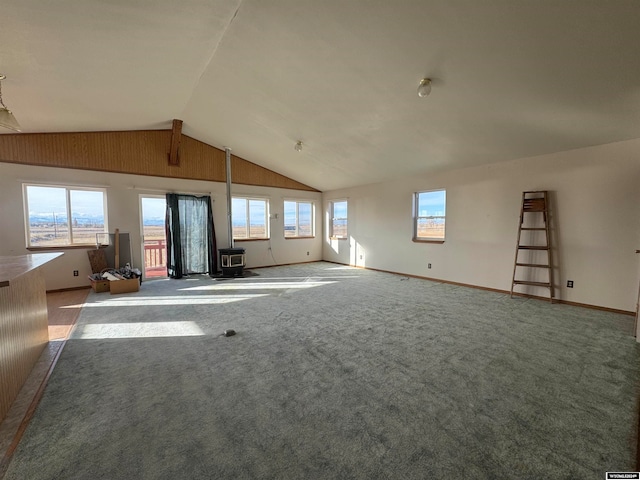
{"x": 140, "y": 152}
{"x": 23, "y": 333}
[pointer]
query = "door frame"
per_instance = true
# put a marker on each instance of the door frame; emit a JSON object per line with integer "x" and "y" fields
{"x": 142, "y": 242}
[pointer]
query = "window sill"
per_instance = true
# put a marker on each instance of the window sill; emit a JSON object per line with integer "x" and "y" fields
{"x": 251, "y": 239}
{"x": 298, "y": 238}
{"x": 87, "y": 246}
{"x": 426, "y": 240}
{"x": 337, "y": 238}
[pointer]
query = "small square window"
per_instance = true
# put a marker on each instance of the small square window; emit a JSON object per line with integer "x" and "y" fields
{"x": 249, "y": 218}
{"x": 298, "y": 219}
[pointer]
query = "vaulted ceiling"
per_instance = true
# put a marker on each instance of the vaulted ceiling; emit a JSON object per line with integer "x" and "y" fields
{"x": 511, "y": 78}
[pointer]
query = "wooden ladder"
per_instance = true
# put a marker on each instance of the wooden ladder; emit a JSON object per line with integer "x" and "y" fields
{"x": 534, "y": 203}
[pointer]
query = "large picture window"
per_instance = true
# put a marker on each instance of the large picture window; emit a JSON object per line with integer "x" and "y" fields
{"x": 58, "y": 216}
{"x": 339, "y": 224}
{"x": 249, "y": 218}
{"x": 429, "y": 215}
{"x": 298, "y": 219}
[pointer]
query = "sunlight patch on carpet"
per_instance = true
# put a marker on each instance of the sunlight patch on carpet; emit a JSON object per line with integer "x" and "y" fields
{"x": 172, "y": 300}
{"x": 138, "y": 330}
{"x": 258, "y": 286}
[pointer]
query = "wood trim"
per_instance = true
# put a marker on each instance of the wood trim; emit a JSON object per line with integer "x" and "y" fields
{"x": 62, "y": 247}
{"x": 139, "y": 152}
{"x": 174, "y": 150}
{"x": 420, "y": 240}
{"x": 251, "y": 239}
{"x": 299, "y": 238}
{"x": 576, "y": 304}
{"x": 70, "y": 289}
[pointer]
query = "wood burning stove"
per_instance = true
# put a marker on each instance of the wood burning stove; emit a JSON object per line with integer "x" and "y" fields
{"x": 232, "y": 261}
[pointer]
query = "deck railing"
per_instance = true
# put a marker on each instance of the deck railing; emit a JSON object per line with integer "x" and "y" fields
{"x": 154, "y": 254}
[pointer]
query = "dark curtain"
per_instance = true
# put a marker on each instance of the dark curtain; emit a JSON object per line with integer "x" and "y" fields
{"x": 191, "y": 238}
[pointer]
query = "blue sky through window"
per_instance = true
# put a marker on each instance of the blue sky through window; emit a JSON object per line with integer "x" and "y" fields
{"x": 431, "y": 203}
{"x": 298, "y": 218}
{"x": 154, "y": 210}
{"x": 45, "y": 203}
{"x": 340, "y": 209}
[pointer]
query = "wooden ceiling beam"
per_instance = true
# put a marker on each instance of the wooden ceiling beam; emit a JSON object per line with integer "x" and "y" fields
{"x": 176, "y": 136}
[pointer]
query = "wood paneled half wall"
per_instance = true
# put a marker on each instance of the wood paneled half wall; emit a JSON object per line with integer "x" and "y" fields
{"x": 24, "y": 330}
{"x": 139, "y": 152}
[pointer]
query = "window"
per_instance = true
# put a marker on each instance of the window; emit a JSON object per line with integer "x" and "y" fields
{"x": 429, "y": 215}
{"x": 338, "y": 219}
{"x": 298, "y": 219}
{"x": 64, "y": 216}
{"x": 249, "y": 218}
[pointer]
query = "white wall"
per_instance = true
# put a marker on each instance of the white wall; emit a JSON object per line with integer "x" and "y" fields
{"x": 596, "y": 220}
{"x": 123, "y": 193}
{"x": 594, "y": 193}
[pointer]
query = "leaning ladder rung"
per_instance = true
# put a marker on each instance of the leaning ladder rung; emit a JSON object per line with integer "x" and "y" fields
{"x": 533, "y": 228}
{"x": 532, "y": 247}
{"x": 535, "y": 284}
{"x": 534, "y": 265}
{"x": 534, "y": 205}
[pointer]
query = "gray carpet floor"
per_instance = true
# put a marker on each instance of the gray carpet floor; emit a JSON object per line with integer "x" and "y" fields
{"x": 335, "y": 373}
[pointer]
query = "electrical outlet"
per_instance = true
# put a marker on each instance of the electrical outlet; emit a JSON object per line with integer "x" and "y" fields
{"x": 569, "y": 283}
{"x": 307, "y": 254}
{"x": 428, "y": 265}
{"x": 75, "y": 273}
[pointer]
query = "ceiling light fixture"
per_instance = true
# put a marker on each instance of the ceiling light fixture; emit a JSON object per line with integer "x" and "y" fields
{"x": 424, "y": 89}
{"x": 7, "y": 120}
{"x": 298, "y": 146}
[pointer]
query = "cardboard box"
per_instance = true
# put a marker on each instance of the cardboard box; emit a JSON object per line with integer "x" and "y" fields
{"x": 99, "y": 286}
{"x": 124, "y": 286}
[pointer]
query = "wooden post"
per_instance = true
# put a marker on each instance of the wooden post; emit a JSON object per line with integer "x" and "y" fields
{"x": 117, "y": 246}
{"x": 176, "y": 135}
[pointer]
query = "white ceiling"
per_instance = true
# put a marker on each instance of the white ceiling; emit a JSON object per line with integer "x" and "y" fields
{"x": 511, "y": 78}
